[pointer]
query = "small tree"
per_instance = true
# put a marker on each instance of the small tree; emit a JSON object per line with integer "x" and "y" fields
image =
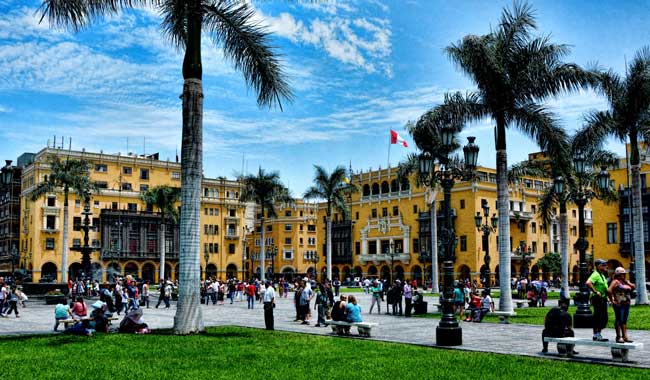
{"x": 551, "y": 263}
{"x": 164, "y": 198}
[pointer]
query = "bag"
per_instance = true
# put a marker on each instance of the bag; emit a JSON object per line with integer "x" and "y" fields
{"x": 269, "y": 306}
{"x": 623, "y": 298}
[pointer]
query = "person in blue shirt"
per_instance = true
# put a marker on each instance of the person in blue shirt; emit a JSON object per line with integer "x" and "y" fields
{"x": 353, "y": 310}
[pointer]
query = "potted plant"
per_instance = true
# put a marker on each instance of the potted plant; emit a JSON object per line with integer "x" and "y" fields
{"x": 54, "y": 297}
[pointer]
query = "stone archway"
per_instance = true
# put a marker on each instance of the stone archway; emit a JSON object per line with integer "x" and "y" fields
{"x": 358, "y": 272}
{"x": 131, "y": 268}
{"x": 231, "y": 271}
{"x": 372, "y": 270}
{"x": 148, "y": 272}
{"x": 399, "y": 273}
{"x": 335, "y": 273}
{"x": 75, "y": 271}
{"x": 385, "y": 272}
{"x": 464, "y": 273}
{"x": 211, "y": 270}
{"x": 50, "y": 271}
{"x": 416, "y": 272}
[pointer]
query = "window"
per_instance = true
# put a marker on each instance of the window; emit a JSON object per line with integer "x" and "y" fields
{"x": 287, "y": 254}
{"x": 534, "y": 247}
{"x": 96, "y": 243}
{"x": 132, "y": 207}
{"x": 127, "y": 186}
{"x": 522, "y": 227}
{"x": 385, "y": 246}
{"x": 287, "y": 241}
{"x": 96, "y": 204}
{"x": 216, "y": 247}
{"x": 76, "y": 223}
{"x": 232, "y": 212}
{"x": 95, "y": 224}
{"x": 311, "y": 228}
{"x": 257, "y": 242}
{"x": 533, "y": 227}
{"x": 205, "y": 211}
{"x": 231, "y": 248}
{"x": 416, "y": 245}
{"x": 415, "y": 209}
{"x": 301, "y": 227}
{"x": 356, "y": 215}
{"x": 50, "y": 222}
{"x": 127, "y": 170}
{"x": 301, "y": 241}
{"x": 113, "y": 205}
{"x": 51, "y": 201}
{"x": 49, "y": 243}
{"x": 545, "y": 247}
{"x": 76, "y": 242}
{"x": 373, "y": 212}
{"x": 206, "y": 248}
{"x": 311, "y": 240}
{"x": 463, "y": 243}
{"x": 270, "y": 241}
{"x": 384, "y": 211}
{"x": 462, "y": 203}
{"x": 287, "y": 227}
{"x": 533, "y": 209}
{"x": 144, "y": 174}
{"x": 573, "y": 213}
{"x": 176, "y": 175}
{"x": 357, "y": 247}
{"x": 395, "y": 211}
{"x": 287, "y": 213}
{"x": 372, "y": 247}
{"x": 101, "y": 168}
{"x": 101, "y": 184}
{"x": 269, "y": 228}
{"x": 144, "y": 188}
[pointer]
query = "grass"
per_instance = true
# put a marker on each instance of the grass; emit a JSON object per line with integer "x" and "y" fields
{"x": 242, "y": 353}
{"x": 639, "y": 316}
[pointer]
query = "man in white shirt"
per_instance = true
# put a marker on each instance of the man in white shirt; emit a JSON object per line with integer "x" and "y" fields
{"x": 269, "y": 304}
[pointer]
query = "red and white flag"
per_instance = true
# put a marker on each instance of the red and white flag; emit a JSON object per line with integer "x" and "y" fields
{"x": 396, "y": 139}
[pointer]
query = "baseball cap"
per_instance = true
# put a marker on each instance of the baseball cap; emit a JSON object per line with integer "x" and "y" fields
{"x": 600, "y": 262}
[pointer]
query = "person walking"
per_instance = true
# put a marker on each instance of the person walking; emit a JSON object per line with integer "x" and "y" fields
{"x": 250, "y": 295}
{"x": 376, "y": 297}
{"x": 13, "y": 302}
{"x": 408, "y": 298}
{"x": 269, "y": 304}
{"x": 337, "y": 287}
{"x": 305, "y": 300}
{"x": 597, "y": 283}
{"x": 145, "y": 293}
{"x": 620, "y": 292}
{"x": 321, "y": 303}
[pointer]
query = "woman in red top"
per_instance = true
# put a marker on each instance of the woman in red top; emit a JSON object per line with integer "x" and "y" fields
{"x": 79, "y": 309}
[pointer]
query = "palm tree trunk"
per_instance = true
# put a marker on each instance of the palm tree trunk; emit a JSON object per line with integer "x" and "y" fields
{"x": 161, "y": 240}
{"x": 637, "y": 236}
{"x": 503, "y": 202}
{"x": 564, "y": 247}
{"x": 189, "y": 315}
{"x": 329, "y": 248}
{"x": 64, "y": 244}
{"x": 434, "y": 245}
{"x": 262, "y": 250}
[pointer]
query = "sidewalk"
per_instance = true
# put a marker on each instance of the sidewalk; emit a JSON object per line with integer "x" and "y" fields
{"x": 514, "y": 339}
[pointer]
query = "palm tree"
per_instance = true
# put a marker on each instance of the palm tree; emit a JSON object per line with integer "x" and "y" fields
{"x": 333, "y": 188}
{"x": 230, "y": 24}
{"x": 68, "y": 175}
{"x": 265, "y": 189}
{"x": 626, "y": 118}
{"x": 513, "y": 72}
{"x": 164, "y": 198}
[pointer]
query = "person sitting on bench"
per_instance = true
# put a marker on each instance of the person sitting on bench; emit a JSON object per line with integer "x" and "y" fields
{"x": 557, "y": 324}
{"x": 338, "y": 310}
{"x": 353, "y": 310}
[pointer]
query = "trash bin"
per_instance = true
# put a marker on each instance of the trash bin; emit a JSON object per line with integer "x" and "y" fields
{"x": 420, "y": 308}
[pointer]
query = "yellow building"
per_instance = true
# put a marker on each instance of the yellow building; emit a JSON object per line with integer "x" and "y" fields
{"x": 384, "y": 214}
{"x": 124, "y": 233}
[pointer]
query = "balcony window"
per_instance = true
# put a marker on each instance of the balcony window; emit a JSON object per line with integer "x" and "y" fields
{"x": 50, "y": 222}
{"x": 49, "y": 243}
{"x": 372, "y": 247}
{"x": 127, "y": 186}
{"x": 144, "y": 174}
{"x": 51, "y": 201}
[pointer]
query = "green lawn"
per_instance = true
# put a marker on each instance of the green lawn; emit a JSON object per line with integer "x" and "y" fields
{"x": 243, "y": 353}
{"x": 639, "y": 316}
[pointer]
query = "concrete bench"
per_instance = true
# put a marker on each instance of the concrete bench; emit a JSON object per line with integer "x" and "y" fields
{"x": 619, "y": 350}
{"x": 503, "y": 315}
{"x": 69, "y": 322}
{"x": 339, "y": 327}
{"x": 438, "y": 307}
{"x": 520, "y": 304}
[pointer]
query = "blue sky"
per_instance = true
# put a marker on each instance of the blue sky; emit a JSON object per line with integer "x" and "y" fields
{"x": 357, "y": 68}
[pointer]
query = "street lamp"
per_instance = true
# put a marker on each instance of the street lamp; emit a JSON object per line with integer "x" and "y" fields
{"x": 206, "y": 256}
{"x": 392, "y": 254}
{"x": 313, "y": 257}
{"x": 85, "y": 249}
{"x": 448, "y": 332}
{"x": 483, "y": 226}
{"x": 14, "y": 257}
{"x": 271, "y": 252}
{"x": 583, "y": 318}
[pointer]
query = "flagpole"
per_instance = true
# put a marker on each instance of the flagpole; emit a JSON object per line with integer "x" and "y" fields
{"x": 390, "y": 142}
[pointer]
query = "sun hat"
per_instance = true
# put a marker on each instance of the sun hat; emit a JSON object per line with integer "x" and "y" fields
{"x": 620, "y": 270}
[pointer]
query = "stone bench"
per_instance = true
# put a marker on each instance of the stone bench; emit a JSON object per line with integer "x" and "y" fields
{"x": 503, "y": 315}
{"x": 339, "y": 327}
{"x": 520, "y": 304}
{"x": 69, "y": 322}
{"x": 619, "y": 350}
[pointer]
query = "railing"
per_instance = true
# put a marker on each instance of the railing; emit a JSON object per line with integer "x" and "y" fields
{"x": 108, "y": 256}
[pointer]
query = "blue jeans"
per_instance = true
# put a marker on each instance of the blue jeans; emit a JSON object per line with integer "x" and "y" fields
{"x": 251, "y": 302}
{"x": 621, "y": 313}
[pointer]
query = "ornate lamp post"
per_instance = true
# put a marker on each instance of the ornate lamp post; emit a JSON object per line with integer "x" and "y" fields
{"x": 483, "y": 226}
{"x": 448, "y": 332}
{"x": 271, "y": 252}
{"x": 583, "y": 318}
{"x": 391, "y": 253}
{"x": 15, "y": 255}
{"x": 206, "y": 256}
{"x": 313, "y": 257}
{"x": 85, "y": 249}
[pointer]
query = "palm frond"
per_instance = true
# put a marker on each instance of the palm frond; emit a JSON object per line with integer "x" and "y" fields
{"x": 246, "y": 44}
{"x": 529, "y": 168}
{"x": 76, "y": 14}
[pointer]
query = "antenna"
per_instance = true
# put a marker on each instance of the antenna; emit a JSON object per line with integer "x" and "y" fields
{"x": 144, "y": 146}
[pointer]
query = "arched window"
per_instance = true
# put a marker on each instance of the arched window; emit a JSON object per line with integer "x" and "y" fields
{"x": 406, "y": 185}
{"x": 375, "y": 189}
{"x": 394, "y": 187}
{"x": 366, "y": 190}
{"x": 384, "y": 188}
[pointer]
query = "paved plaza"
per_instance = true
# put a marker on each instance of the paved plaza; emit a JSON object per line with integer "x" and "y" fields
{"x": 518, "y": 339}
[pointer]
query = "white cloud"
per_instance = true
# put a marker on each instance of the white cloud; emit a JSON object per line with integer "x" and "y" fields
{"x": 4, "y": 109}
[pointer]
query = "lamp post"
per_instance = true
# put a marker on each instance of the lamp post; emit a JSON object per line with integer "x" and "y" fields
{"x": 391, "y": 253}
{"x": 313, "y": 257}
{"x": 448, "y": 332}
{"x": 583, "y": 318}
{"x": 522, "y": 252}
{"x": 271, "y": 252}
{"x": 85, "y": 249}
{"x": 483, "y": 226}
{"x": 14, "y": 257}
{"x": 206, "y": 256}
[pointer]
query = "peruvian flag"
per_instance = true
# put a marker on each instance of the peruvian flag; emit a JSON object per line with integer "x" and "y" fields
{"x": 395, "y": 139}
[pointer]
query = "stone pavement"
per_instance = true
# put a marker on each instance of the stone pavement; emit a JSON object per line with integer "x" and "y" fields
{"x": 517, "y": 339}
